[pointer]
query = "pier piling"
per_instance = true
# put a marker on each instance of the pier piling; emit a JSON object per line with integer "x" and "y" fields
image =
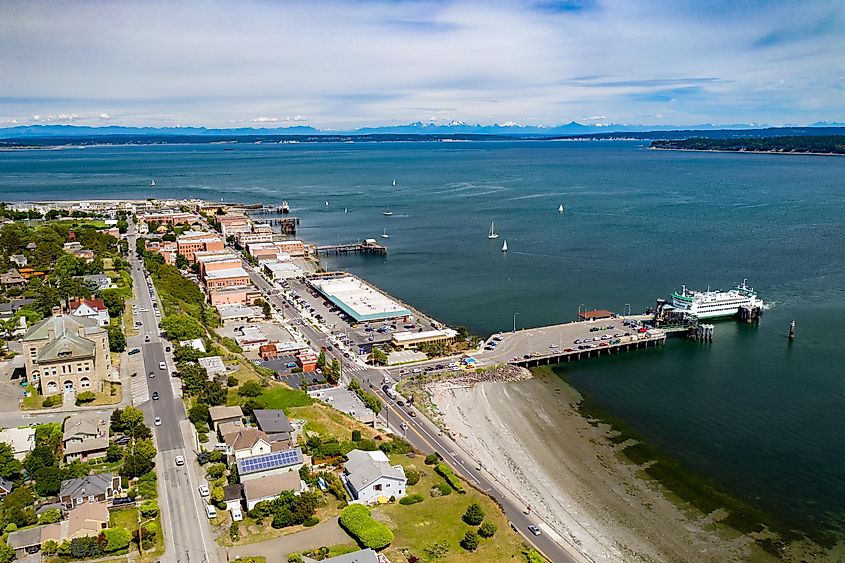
{"x": 792, "y": 330}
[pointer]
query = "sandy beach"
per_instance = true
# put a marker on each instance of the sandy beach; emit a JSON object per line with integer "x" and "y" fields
{"x": 530, "y": 436}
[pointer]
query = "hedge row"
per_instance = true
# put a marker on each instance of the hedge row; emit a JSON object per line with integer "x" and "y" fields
{"x": 446, "y": 472}
{"x": 356, "y": 520}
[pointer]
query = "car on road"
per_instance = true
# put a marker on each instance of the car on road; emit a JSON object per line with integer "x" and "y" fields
{"x": 162, "y": 365}
{"x": 144, "y": 310}
{"x": 157, "y": 421}
{"x": 534, "y": 530}
{"x": 210, "y": 511}
{"x": 152, "y": 374}
{"x": 204, "y": 492}
{"x": 146, "y": 338}
{"x": 412, "y": 413}
{"x": 553, "y": 345}
{"x": 180, "y": 460}
{"x": 155, "y": 396}
{"x": 134, "y": 351}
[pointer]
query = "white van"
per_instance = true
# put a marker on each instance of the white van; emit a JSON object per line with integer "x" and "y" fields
{"x": 237, "y": 515}
{"x": 210, "y": 511}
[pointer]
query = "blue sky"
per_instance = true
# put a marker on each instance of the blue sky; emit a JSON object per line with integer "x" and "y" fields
{"x": 356, "y": 63}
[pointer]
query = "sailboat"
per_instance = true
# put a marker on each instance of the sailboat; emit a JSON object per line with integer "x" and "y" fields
{"x": 385, "y": 235}
{"x": 152, "y": 183}
{"x": 387, "y": 212}
{"x": 493, "y": 234}
{"x": 505, "y": 246}
{"x": 346, "y": 210}
{"x": 327, "y": 203}
{"x": 560, "y": 209}
{"x": 394, "y": 182}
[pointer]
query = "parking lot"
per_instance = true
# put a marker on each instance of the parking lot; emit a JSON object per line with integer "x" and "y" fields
{"x": 345, "y": 400}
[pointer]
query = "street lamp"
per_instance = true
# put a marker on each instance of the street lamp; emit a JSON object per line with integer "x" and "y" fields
{"x": 514, "y": 321}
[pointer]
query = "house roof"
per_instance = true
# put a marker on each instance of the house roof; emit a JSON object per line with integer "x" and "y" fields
{"x": 67, "y": 346}
{"x": 88, "y": 516}
{"x": 245, "y": 438}
{"x": 271, "y": 485}
{"x": 362, "y": 556}
{"x": 268, "y": 462}
{"x": 222, "y": 413}
{"x": 5, "y": 485}
{"x": 25, "y": 538}
{"x": 364, "y": 468}
{"x": 232, "y": 493}
{"x": 59, "y": 325}
{"x": 84, "y": 426}
{"x": 85, "y": 486}
{"x": 272, "y": 421}
{"x": 96, "y": 304}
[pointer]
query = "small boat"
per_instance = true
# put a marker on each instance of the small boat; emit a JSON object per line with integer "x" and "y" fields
{"x": 152, "y": 182}
{"x": 285, "y": 207}
{"x": 505, "y": 246}
{"x": 394, "y": 182}
{"x": 560, "y": 209}
{"x": 327, "y": 204}
{"x": 387, "y": 213}
{"x": 346, "y": 210}
{"x": 384, "y": 234}
{"x": 493, "y": 234}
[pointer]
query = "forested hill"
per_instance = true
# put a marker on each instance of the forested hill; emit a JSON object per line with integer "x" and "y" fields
{"x": 823, "y": 144}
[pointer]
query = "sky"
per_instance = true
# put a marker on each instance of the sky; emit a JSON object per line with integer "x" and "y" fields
{"x": 346, "y": 64}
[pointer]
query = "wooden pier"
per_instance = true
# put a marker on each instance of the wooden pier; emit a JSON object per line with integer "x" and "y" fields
{"x": 367, "y": 247}
{"x": 287, "y": 225}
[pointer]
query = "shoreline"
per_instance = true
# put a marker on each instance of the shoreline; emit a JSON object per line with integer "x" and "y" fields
{"x": 792, "y": 153}
{"x": 588, "y": 489}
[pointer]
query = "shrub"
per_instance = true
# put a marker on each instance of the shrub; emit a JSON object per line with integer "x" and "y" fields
{"x": 203, "y": 437}
{"x": 356, "y": 435}
{"x": 474, "y": 515}
{"x": 431, "y": 459}
{"x": 231, "y": 381}
{"x": 149, "y": 508}
{"x": 413, "y": 476}
{"x": 533, "y": 556}
{"x": 357, "y": 520}
{"x": 446, "y": 472}
{"x": 250, "y": 389}
{"x": 397, "y": 446}
{"x": 470, "y": 541}
{"x": 116, "y": 539}
{"x": 313, "y": 521}
{"x": 51, "y": 401}
{"x": 235, "y": 531}
{"x": 437, "y": 550}
{"x": 487, "y": 530}
{"x": 411, "y": 499}
{"x": 216, "y": 470}
{"x": 50, "y": 547}
{"x": 436, "y": 492}
{"x": 85, "y": 397}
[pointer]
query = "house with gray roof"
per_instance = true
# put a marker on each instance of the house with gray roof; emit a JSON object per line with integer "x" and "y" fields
{"x": 91, "y": 488}
{"x": 369, "y": 475}
{"x": 6, "y": 487}
{"x": 98, "y": 282}
{"x": 66, "y": 354}
{"x": 274, "y": 423}
{"x": 85, "y": 437}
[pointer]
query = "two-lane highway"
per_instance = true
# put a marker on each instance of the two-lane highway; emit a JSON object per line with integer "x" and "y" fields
{"x": 188, "y": 537}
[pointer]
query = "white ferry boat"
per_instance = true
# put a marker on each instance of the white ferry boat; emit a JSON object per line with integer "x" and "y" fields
{"x": 712, "y": 304}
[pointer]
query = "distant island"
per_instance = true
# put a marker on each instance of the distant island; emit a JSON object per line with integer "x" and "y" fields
{"x": 817, "y": 144}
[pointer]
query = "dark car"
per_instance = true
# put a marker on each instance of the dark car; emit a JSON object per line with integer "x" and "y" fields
{"x": 155, "y": 395}
{"x": 122, "y": 441}
{"x": 134, "y": 351}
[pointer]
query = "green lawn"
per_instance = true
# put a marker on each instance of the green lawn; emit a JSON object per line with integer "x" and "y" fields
{"x": 124, "y": 518}
{"x": 438, "y": 519}
{"x": 277, "y": 396}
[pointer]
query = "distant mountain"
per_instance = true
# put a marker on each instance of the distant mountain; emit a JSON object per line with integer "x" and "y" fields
{"x": 89, "y": 131}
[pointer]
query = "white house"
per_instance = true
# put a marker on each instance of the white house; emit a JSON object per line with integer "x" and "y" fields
{"x": 90, "y": 308}
{"x": 248, "y": 442}
{"x": 369, "y": 475}
{"x": 21, "y": 440}
{"x": 274, "y": 463}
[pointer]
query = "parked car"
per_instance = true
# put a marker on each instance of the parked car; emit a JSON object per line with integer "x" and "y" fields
{"x": 157, "y": 421}
{"x": 210, "y": 511}
{"x": 534, "y": 530}
{"x": 204, "y": 492}
{"x": 134, "y": 351}
{"x": 180, "y": 460}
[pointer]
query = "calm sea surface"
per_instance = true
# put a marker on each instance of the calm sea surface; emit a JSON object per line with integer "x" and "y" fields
{"x": 763, "y": 418}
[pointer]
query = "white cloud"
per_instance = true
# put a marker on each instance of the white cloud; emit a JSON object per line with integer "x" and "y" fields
{"x": 105, "y": 116}
{"x": 370, "y": 62}
{"x": 8, "y": 121}
{"x": 264, "y": 119}
{"x": 56, "y": 118}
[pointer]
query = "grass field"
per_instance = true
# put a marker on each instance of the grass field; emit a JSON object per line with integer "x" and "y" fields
{"x": 420, "y": 525}
{"x": 325, "y": 420}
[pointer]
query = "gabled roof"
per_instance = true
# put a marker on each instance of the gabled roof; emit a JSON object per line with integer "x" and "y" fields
{"x": 222, "y": 413}
{"x": 232, "y": 493}
{"x": 365, "y": 468}
{"x": 96, "y": 304}
{"x": 85, "y": 486}
{"x": 268, "y": 462}
{"x": 272, "y": 421}
{"x": 6, "y": 486}
{"x": 60, "y": 324}
{"x": 67, "y": 346}
{"x": 245, "y": 438}
{"x": 89, "y": 516}
{"x": 271, "y": 485}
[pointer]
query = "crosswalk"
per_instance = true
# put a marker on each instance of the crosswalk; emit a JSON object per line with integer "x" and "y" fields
{"x": 140, "y": 390}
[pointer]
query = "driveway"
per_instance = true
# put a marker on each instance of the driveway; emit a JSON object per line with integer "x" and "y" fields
{"x": 326, "y": 533}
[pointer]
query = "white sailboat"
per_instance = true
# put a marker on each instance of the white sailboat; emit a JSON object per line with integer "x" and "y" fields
{"x": 152, "y": 182}
{"x": 385, "y": 235}
{"x": 493, "y": 234}
{"x": 560, "y": 209}
{"x": 346, "y": 210}
{"x": 505, "y": 246}
{"x": 394, "y": 182}
{"x": 327, "y": 204}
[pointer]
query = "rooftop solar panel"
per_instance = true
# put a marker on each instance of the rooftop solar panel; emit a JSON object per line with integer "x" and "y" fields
{"x": 270, "y": 461}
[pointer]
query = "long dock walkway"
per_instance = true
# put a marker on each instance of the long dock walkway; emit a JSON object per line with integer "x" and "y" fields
{"x": 568, "y": 342}
{"x": 367, "y": 247}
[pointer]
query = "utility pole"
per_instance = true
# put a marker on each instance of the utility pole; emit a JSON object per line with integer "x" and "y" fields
{"x": 514, "y": 321}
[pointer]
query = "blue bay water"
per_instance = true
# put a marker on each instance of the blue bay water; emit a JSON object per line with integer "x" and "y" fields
{"x": 762, "y": 418}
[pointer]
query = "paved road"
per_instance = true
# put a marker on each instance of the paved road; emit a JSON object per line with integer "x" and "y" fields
{"x": 188, "y": 536}
{"x": 427, "y": 438}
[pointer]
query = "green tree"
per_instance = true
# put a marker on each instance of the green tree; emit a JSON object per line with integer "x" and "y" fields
{"x": 321, "y": 361}
{"x": 114, "y": 452}
{"x": 7, "y": 552}
{"x": 470, "y": 540}
{"x": 198, "y": 413}
{"x": 132, "y": 419}
{"x": 113, "y": 298}
{"x": 139, "y": 458}
{"x": 182, "y": 327}
{"x": 194, "y": 376}
{"x": 116, "y": 539}
{"x": 10, "y": 468}
{"x": 149, "y": 508}
{"x": 181, "y": 262}
{"x": 250, "y": 389}
{"x": 474, "y": 515}
{"x": 117, "y": 340}
{"x": 213, "y": 394}
{"x": 47, "y": 481}
{"x": 487, "y": 530}
{"x": 377, "y": 356}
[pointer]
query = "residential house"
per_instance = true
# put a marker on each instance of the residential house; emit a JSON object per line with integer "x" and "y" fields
{"x": 85, "y": 437}
{"x": 220, "y": 415}
{"x": 26, "y": 542}
{"x": 269, "y": 487}
{"x": 238, "y": 313}
{"x": 19, "y": 259}
{"x": 226, "y": 428}
{"x": 90, "y": 308}
{"x": 6, "y": 487}
{"x": 195, "y": 343}
{"x": 12, "y": 279}
{"x": 213, "y": 365}
{"x": 274, "y": 463}
{"x": 87, "y": 520}
{"x": 66, "y": 354}
{"x": 8, "y": 310}
{"x": 274, "y": 423}
{"x": 20, "y": 440}
{"x": 98, "y": 282}
{"x": 248, "y": 442}
{"x": 369, "y": 475}
{"x": 232, "y": 494}
{"x": 360, "y": 556}
{"x": 89, "y": 489}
